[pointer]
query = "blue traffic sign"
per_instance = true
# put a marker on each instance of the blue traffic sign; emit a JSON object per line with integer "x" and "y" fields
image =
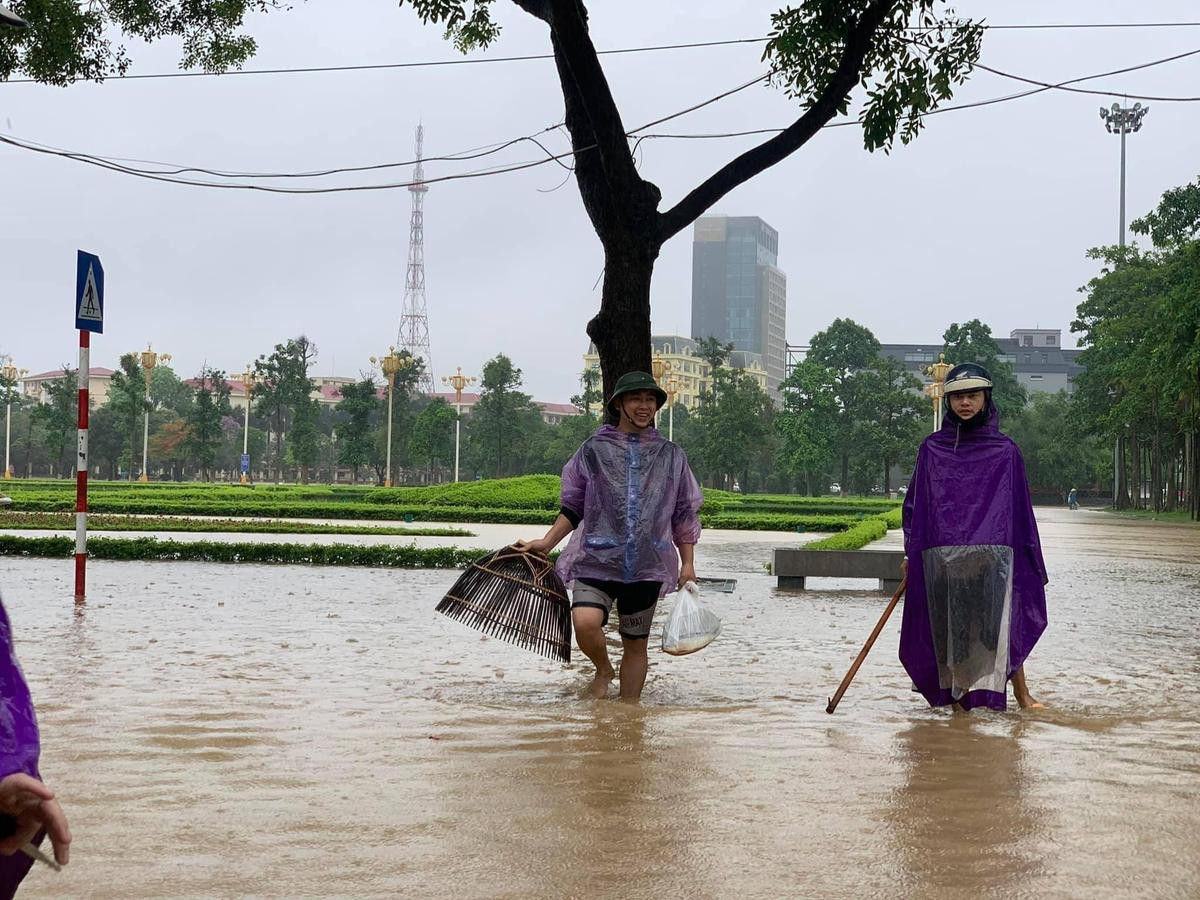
{"x": 89, "y": 293}
{"x": 245, "y": 463}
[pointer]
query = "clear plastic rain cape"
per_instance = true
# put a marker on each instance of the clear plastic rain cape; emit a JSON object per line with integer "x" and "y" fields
{"x": 20, "y": 743}
{"x": 636, "y": 499}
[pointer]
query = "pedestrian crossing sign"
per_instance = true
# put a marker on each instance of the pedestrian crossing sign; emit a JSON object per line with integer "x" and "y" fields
{"x": 89, "y": 293}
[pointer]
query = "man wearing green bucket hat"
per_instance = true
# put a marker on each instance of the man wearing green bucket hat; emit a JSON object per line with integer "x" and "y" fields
{"x": 633, "y": 504}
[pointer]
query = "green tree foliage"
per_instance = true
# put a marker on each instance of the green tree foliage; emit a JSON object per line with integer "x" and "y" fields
{"x": 973, "y": 342}
{"x": 360, "y": 409}
{"x": 807, "y": 424}
{"x": 716, "y": 354}
{"x": 733, "y": 427}
{"x": 59, "y": 418}
{"x": 282, "y": 392}
{"x": 105, "y": 441}
{"x": 893, "y": 427}
{"x": 68, "y": 40}
{"x": 432, "y": 443}
{"x": 1140, "y": 388}
{"x": 168, "y": 392}
{"x": 205, "y": 435}
{"x": 846, "y": 350}
{"x": 503, "y": 421}
{"x": 1059, "y": 454}
{"x": 127, "y": 400}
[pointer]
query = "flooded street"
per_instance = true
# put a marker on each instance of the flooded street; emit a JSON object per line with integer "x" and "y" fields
{"x": 242, "y": 730}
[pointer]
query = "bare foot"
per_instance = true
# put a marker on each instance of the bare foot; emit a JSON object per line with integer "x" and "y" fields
{"x": 600, "y": 683}
{"x": 1026, "y": 701}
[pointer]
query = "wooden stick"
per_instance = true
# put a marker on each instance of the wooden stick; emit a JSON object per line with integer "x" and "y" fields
{"x": 837, "y": 697}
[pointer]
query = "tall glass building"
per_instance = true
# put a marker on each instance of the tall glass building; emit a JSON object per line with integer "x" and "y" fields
{"x": 739, "y": 295}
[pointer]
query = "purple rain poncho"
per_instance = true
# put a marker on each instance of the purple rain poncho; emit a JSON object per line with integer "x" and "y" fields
{"x": 976, "y": 602}
{"x": 633, "y": 498}
{"x": 19, "y": 742}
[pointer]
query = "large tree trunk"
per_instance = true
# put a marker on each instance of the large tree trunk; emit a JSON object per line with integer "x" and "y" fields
{"x": 621, "y": 330}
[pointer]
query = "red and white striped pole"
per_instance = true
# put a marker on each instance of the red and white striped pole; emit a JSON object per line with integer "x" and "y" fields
{"x": 81, "y": 471}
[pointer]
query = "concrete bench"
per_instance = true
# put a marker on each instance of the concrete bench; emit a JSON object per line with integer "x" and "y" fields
{"x": 792, "y": 566}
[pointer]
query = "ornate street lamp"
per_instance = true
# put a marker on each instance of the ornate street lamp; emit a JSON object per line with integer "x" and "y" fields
{"x": 660, "y": 367}
{"x": 458, "y": 381}
{"x": 392, "y": 365}
{"x": 247, "y": 384}
{"x": 937, "y": 372}
{"x": 672, "y": 388}
{"x": 150, "y": 359}
{"x": 11, "y": 376}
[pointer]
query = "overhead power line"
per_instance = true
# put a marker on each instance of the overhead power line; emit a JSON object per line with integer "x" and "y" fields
{"x": 113, "y": 164}
{"x": 486, "y": 60}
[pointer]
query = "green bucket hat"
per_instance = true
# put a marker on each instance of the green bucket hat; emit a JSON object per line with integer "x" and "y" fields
{"x": 637, "y": 381}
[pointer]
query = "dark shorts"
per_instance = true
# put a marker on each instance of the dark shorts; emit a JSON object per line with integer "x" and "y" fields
{"x": 635, "y": 601}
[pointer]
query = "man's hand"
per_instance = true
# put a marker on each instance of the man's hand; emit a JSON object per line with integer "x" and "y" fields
{"x": 904, "y": 568}
{"x": 687, "y": 572}
{"x": 540, "y": 546}
{"x": 33, "y": 806}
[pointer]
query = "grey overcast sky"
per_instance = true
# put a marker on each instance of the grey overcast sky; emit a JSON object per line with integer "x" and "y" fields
{"x": 987, "y": 214}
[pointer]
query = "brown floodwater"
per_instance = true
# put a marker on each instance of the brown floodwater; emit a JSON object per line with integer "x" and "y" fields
{"x": 233, "y": 731}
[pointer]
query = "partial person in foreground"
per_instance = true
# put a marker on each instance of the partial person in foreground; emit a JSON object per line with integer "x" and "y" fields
{"x": 976, "y": 600}
{"x": 28, "y": 809}
{"x": 633, "y": 504}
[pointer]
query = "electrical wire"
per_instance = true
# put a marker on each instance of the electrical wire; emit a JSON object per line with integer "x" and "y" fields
{"x": 109, "y": 163}
{"x": 1125, "y": 94}
{"x": 115, "y": 164}
{"x": 466, "y": 61}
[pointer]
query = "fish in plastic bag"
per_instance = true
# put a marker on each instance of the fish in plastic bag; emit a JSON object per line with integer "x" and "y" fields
{"x": 691, "y": 625}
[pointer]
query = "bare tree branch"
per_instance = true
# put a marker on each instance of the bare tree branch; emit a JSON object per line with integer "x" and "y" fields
{"x": 770, "y": 152}
{"x": 573, "y": 47}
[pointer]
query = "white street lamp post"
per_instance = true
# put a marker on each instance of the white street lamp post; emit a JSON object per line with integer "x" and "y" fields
{"x": 11, "y": 375}
{"x": 391, "y": 365}
{"x": 247, "y": 382}
{"x": 458, "y": 381}
{"x": 150, "y": 359}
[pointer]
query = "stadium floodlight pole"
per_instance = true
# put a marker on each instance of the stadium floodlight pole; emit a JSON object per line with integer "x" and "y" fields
{"x": 1121, "y": 120}
{"x": 11, "y": 19}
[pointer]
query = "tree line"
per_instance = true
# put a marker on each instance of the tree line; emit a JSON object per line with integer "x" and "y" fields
{"x": 1140, "y": 390}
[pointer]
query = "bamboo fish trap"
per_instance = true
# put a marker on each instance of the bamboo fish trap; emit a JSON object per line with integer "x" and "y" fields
{"x": 517, "y": 597}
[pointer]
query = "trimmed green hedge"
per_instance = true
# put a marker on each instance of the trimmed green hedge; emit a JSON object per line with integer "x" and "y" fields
{"x": 103, "y": 522}
{"x": 526, "y": 500}
{"x": 871, "y": 529}
{"x": 777, "y": 522}
{"x": 297, "y": 510}
{"x": 859, "y": 535}
{"x": 405, "y": 557}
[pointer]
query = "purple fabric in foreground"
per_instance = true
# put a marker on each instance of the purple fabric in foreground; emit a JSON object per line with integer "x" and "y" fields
{"x": 969, "y": 489}
{"x": 637, "y": 499}
{"x": 19, "y": 742}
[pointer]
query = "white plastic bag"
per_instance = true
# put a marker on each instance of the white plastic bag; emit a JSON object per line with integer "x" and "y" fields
{"x": 691, "y": 625}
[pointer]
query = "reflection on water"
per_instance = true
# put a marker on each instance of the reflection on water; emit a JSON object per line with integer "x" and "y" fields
{"x": 964, "y": 784}
{"x": 288, "y": 731}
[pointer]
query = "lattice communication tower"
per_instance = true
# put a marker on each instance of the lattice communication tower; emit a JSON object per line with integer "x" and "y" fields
{"x": 414, "y": 321}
